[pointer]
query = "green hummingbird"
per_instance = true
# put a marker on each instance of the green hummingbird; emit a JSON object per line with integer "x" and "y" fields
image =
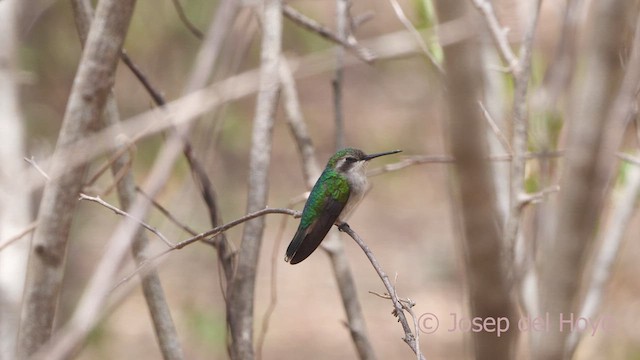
{"x": 341, "y": 186}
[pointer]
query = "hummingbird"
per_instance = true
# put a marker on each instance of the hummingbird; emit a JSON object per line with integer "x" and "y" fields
{"x": 335, "y": 194}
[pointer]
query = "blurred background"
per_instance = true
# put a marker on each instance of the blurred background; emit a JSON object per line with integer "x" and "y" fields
{"x": 396, "y": 103}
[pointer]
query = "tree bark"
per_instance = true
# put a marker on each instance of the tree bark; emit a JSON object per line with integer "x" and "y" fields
{"x": 241, "y": 292}
{"x": 583, "y": 182}
{"x": 489, "y": 290}
{"x": 91, "y": 86}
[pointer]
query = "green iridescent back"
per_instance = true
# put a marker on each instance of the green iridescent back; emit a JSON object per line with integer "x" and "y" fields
{"x": 330, "y": 185}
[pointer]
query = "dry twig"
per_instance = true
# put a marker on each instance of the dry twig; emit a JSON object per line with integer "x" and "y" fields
{"x": 208, "y": 234}
{"x": 98, "y": 200}
{"x": 409, "y": 26}
{"x": 447, "y": 159}
{"x": 498, "y": 33}
{"x": 10, "y": 240}
{"x": 185, "y": 20}
{"x": 32, "y": 162}
{"x": 398, "y": 307}
{"x": 300, "y": 19}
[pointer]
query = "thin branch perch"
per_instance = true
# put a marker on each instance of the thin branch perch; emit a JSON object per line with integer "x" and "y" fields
{"x": 311, "y": 170}
{"x": 211, "y": 233}
{"x": 398, "y": 307}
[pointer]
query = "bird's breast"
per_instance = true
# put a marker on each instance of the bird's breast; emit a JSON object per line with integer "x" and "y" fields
{"x": 357, "y": 184}
{"x": 357, "y": 188}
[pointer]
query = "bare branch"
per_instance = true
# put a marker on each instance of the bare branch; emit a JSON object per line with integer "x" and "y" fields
{"x": 298, "y": 127}
{"x": 526, "y": 199}
{"x": 204, "y": 66}
{"x": 210, "y": 233}
{"x": 520, "y": 260}
{"x": 623, "y": 205}
{"x": 241, "y": 293}
{"x": 71, "y": 336}
{"x": 119, "y": 176}
{"x": 633, "y": 159}
{"x": 229, "y": 225}
{"x": 406, "y": 303}
{"x": 185, "y": 20}
{"x": 487, "y": 281}
{"x": 574, "y": 221}
{"x": 157, "y": 97}
{"x": 104, "y": 167}
{"x": 167, "y": 213}
{"x": 10, "y": 240}
{"x": 98, "y": 200}
{"x": 559, "y": 73}
{"x": 398, "y": 308}
{"x": 187, "y": 108}
{"x": 120, "y": 163}
{"x": 32, "y": 162}
{"x": 273, "y": 298}
{"x": 447, "y": 159}
{"x": 311, "y": 170}
{"x": 498, "y": 33}
{"x": 94, "y": 79}
{"x": 333, "y": 246}
{"x": 622, "y": 109}
{"x": 197, "y": 170}
{"x": 94, "y": 298}
{"x": 300, "y": 19}
{"x": 333, "y": 243}
{"x": 496, "y": 129}
{"x": 343, "y": 31}
{"x": 205, "y": 63}
{"x": 409, "y": 26}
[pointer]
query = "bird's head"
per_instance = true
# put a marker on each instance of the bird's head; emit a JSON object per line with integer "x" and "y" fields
{"x": 351, "y": 160}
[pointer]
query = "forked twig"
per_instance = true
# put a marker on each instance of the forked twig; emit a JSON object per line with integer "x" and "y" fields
{"x": 300, "y": 19}
{"x": 208, "y": 234}
{"x": 98, "y": 200}
{"x": 398, "y": 306}
{"x": 498, "y": 33}
{"x": 167, "y": 213}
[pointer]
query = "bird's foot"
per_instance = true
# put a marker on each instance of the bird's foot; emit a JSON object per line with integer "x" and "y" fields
{"x": 343, "y": 226}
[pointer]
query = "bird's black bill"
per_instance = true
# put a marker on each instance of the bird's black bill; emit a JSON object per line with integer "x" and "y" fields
{"x": 373, "y": 156}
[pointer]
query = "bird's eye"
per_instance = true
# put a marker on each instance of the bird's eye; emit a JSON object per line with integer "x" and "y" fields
{"x": 350, "y": 159}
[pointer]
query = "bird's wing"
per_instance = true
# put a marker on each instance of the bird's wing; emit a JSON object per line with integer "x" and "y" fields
{"x": 308, "y": 238}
